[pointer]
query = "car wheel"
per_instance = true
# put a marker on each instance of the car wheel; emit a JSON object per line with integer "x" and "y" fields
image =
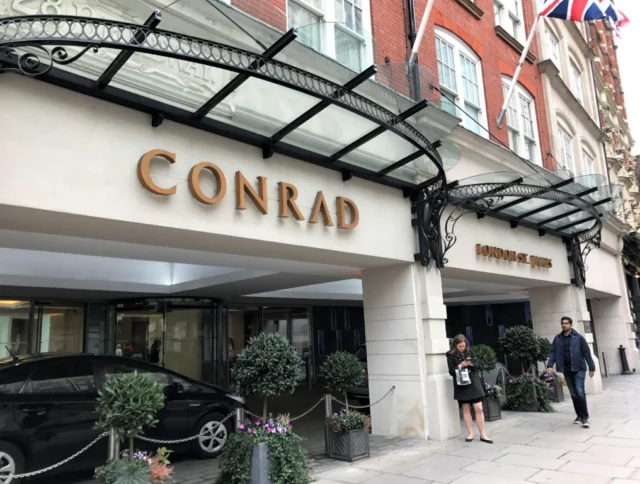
{"x": 212, "y": 436}
{"x": 11, "y": 463}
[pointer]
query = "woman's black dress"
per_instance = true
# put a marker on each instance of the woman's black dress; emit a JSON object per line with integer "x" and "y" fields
{"x": 472, "y": 393}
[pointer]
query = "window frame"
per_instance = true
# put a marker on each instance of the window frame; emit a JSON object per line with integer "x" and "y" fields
{"x": 512, "y": 21}
{"x": 566, "y": 138}
{"x": 27, "y": 388}
{"x": 517, "y": 127}
{"x": 576, "y": 81}
{"x": 310, "y": 9}
{"x": 462, "y": 51}
{"x": 586, "y": 153}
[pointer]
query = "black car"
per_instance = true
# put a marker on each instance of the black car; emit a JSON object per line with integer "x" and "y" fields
{"x": 47, "y": 411}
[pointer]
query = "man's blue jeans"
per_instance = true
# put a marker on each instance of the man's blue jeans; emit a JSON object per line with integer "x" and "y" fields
{"x": 575, "y": 382}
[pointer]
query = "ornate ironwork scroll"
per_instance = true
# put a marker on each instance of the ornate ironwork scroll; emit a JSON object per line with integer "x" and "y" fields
{"x": 437, "y": 236}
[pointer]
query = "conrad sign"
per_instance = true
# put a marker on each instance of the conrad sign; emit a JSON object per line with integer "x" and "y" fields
{"x": 513, "y": 256}
{"x": 347, "y": 215}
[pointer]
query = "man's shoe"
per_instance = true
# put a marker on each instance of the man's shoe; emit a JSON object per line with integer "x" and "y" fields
{"x": 577, "y": 421}
{"x": 585, "y": 424}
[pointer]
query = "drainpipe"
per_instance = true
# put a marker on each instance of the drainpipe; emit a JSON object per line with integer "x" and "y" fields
{"x": 414, "y": 69}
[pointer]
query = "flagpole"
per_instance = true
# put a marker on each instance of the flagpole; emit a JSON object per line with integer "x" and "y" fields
{"x": 421, "y": 30}
{"x": 516, "y": 75}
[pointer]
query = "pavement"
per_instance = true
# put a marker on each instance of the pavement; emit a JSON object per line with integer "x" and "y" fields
{"x": 529, "y": 448}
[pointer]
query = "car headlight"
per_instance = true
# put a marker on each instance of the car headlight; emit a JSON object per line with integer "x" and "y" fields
{"x": 237, "y": 398}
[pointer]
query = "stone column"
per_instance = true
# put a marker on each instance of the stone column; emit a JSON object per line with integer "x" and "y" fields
{"x": 406, "y": 345}
{"x": 614, "y": 326}
{"x": 549, "y": 305}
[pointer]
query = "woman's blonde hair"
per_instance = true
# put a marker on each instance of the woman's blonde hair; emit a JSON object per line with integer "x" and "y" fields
{"x": 457, "y": 340}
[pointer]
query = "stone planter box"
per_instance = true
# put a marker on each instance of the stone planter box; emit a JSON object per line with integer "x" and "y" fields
{"x": 260, "y": 464}
{"x": 556, "y": 393}
{"x": 348, "y": 446}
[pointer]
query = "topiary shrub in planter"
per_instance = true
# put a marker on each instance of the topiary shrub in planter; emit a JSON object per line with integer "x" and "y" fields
{"x": 487, "y": 361}
{"x": 268, "y": 367}
{"x": 347, "y": 433}
{"x": 129, "y": 404}
{"x": 554, "y": 386}
{"x": 527, "y": 393}
{"x": 266, "y": 450}
{"x": 286, "y": 459}
{"x": 521, "y": 343}
{"x": 348, "y": 436}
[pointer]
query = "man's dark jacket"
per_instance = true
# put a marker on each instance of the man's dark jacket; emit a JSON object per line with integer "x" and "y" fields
{"x": 579, "y": 353}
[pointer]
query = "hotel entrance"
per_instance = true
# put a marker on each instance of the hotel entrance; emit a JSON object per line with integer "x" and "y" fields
{"x": 178, "y": 334}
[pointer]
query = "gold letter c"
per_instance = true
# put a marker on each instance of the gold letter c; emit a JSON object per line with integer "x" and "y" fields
{"x": 144, "y": 173}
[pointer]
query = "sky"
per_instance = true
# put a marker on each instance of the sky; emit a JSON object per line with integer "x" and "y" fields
{"x": 629, "y": 66}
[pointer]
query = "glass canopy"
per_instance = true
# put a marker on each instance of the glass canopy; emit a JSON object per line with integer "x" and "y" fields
{"x": 551, "y": 202}
{"x": 233, "y": 69}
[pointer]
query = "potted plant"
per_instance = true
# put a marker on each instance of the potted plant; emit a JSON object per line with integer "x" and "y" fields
{"x": 127, "y": 405}
{"x": 265, "y": 450}
{"x": 554, "y": 386}
{"x": 527, "y": 392}
{"x": 487, "y": 361}
{"x": 347, "y": 435}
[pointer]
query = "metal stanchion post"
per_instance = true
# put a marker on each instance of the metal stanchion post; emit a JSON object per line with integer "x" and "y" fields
{"x": 114, "y": 445}
{"x": 328, "y": 410}
{"x": 239, "y": 416}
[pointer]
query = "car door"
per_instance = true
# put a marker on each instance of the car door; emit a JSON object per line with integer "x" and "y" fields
{"x": 56, "y": 412}
{"x": 173, "y": 418}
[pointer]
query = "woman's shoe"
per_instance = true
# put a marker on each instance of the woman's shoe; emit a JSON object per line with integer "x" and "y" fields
{"x": 486, "y": 441}
{"x": 469, "y": 439}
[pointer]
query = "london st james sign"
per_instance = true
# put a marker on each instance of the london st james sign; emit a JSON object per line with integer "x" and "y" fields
{"x": 347, "y": 214}
{"x": 513, "y": 256}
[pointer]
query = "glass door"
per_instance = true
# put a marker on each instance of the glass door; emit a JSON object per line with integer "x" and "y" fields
{"x": 60, "y": 327}
{"x": 15, "y": 318}
{"x": 300, "y": 324}
{"x": 178, "y": 334}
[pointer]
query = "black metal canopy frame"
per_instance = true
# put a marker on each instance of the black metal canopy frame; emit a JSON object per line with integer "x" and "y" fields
{"x": 579, "y": 225}
{"x": 37, "y": 46}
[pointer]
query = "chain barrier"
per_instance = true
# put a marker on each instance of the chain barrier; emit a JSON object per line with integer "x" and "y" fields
{"x": 365, "y": 406}
{"x": 260, "y": 417}
{"x": 55, "y": 466}
{"x": 187, "y": 439}
{"x": 178, "y": 441}
{"x": 96, "y": 440}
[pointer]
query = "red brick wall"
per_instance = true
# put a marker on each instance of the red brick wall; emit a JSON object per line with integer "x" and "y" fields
{"x": 272, "y": 12}
{"x": 498, "y": 58}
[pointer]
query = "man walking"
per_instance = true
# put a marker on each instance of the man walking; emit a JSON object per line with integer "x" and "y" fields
{"x": 569, "y": 352}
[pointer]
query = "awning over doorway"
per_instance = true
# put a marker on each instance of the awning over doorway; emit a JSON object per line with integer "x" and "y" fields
{"x": 213, "y": 66}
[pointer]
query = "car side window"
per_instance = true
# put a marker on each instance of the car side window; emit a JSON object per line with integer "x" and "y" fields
{"x": 72, "y": 377}
{"x": 114, "y": 369}
{"x": 13, "y": 379}
{"x": 190, "y": 387}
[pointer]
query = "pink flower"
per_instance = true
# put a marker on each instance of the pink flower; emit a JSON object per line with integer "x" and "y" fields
{"x": 249, "y": 431}
{"x": 241, "y": 426}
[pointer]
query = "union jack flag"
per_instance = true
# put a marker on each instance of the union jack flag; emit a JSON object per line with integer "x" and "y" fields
{"x": 576, "y": 10}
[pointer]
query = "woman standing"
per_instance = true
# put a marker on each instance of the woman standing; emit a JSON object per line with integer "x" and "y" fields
{"x": 467, "y": 386}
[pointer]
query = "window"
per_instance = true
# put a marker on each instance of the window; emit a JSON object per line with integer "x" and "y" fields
{"x": 566, "y": 150}
{"x": 349, "y": 13}
{"x": 14, "y": 379}
{"x": 62, "y": 378}
{"x": 508, "y": 15}
{"x": 307, "y": 21}
{"x": 111, "y": 370}
{"x": 588, "y": 163}
{"x": 554, "y": 47}
{"x": 522, "y": 123}
{"x": 460, "y": 76}
{"x": 576, "y": 82}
